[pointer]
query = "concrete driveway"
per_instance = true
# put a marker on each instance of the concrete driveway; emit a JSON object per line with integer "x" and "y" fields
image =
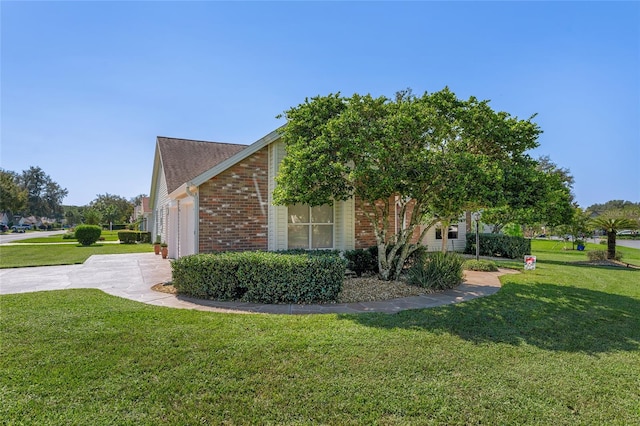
{"x": 125, "y": 275}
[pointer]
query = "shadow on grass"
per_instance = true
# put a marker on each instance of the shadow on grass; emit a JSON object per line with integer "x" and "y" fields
{"x": 547, "y": 316}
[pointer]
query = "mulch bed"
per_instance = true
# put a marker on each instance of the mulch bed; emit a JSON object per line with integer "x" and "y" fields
{"x": 614, "y": 263}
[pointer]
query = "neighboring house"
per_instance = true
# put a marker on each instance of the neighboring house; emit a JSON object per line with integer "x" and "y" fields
{"x": 211, "y": 197}
{"x": 4, "y": 219}
{"x": 31, "y": 221}
{"x": 143, "y": 212}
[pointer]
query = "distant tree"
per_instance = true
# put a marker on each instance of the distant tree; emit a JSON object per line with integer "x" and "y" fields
{"x": 73, "y": 215}
{"x": 612, "y": 205}
{"x": 135, "y": 201}
{"x": 611, "y": 222}
{"x": 91, "y": 217}
{"x": 13, "y": 198}
{"x": 44, "y": 196}
{"x": 113, "y": 208}
{"x": 578, "y": 227}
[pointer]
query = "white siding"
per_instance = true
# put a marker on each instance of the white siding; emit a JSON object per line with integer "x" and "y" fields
{"x": 344, "y": 225}
{"x": 452, "y": 244}
{"x": 277, "y": 215}
{"x": 160, "y": 210}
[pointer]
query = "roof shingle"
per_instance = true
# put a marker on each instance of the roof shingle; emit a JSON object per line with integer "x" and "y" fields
{"x": 184, "y": 159}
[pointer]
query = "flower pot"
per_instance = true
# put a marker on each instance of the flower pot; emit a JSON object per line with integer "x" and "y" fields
{"x": 165, "y": 252}
{"x": 156, "y": 248}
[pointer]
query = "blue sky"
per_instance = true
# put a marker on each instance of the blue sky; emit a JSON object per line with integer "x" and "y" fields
{"x": 87, "y": 86}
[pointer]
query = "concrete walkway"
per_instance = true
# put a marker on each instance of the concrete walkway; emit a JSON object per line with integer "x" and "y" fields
{"x": 131, "y": 276}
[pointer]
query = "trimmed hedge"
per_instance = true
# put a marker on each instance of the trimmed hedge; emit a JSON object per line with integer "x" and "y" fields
{"x": 499, "y": 245}
{"x": 480, "y": 265}
{"x": 87, "y": 234}
{"x": 132, "y": 237}
{"x": 261, "y": 277}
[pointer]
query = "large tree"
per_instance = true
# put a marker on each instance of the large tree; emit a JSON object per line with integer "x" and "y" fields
{"x": 112, "y": 208}
{"x": 44, "y": 195}
{"x": 13, "y": 198}
{"x": 429, "y": 156}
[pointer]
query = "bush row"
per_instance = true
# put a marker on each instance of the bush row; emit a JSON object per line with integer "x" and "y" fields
{"x": 132, "y": 237}
{"x": 499, "y": 245}
{"x": 261, "y": 277}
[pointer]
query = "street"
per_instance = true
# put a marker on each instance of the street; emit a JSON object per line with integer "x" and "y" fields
{"x": 11, "y": 237}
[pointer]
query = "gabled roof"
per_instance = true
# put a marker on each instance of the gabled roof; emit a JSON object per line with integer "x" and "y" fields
{"x": 184, "y": 159}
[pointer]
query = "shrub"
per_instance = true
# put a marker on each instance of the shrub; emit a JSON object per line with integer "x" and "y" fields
{"x": 595, "y": 255}
{"x": 437, "y": 271}
{"x": 498, "y": 245}
{"x": 414, "y": 257}
{"x": 87, "y": 234}
{"x": 132, "y": 237}
{"x": 127, "y": 237}
{"x": 480, "y": 265}
{"x": 69, "y": 236}
{"x": 361, "y": 260}
{"x": 261, "y": 277}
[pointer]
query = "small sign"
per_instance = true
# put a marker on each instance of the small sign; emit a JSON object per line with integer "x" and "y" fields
{"x": 529, "y": 262}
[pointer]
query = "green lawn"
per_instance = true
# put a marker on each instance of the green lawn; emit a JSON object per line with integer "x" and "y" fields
{"x": 61, "y": 254}
{"x": 558, "y": 345}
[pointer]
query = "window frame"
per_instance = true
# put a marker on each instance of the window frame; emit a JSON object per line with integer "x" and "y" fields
{"x": 450, "y": 232}
{"x": 310, "y": 225}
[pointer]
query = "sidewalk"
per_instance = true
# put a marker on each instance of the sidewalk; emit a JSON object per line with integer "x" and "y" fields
{"x": 131, "y": 276}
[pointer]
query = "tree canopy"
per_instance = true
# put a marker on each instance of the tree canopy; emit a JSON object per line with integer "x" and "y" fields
{"x": 13, "y": 197}
{"x": 112, "y": 208}
{"x": 44, "y": 196}
{"x": 432, "y": 155}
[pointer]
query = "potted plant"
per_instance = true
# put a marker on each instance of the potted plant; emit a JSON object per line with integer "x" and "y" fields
{"x": 156, "y": 245}
{"x": 165, "y": 250}
{"x": 580, "y": 245}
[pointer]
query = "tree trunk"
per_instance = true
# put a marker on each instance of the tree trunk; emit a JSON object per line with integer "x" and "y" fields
{"x": 444, "y": 228}
{"x": 384, "y": 269}
{"x": 611, "y": 245}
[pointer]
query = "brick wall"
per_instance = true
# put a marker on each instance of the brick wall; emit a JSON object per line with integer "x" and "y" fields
{"x": 233, "y": 207}
{"x": 365, "y": 237}
{"x": 363, "y": 227}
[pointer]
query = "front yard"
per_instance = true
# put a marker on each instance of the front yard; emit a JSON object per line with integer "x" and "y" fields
{"x": 54, "y": 250}
{"x": 558, "y": 345}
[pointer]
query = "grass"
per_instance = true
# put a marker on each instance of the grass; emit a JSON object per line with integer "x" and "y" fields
{"x": 558, "y": 345}
{"x": 61, "y": 254}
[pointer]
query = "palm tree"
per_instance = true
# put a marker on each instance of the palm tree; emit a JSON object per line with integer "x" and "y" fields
{"x": 612, "y": 223}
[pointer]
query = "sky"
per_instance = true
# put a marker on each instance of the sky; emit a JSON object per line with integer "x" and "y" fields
{"x": 86, "y": 87}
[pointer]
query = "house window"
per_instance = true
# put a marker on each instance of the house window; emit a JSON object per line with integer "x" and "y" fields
{"x": 451, "y": 235}
{"x": 310, "y": 227}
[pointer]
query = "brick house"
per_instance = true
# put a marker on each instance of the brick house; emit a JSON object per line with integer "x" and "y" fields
{"x": 209, "y": 196}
